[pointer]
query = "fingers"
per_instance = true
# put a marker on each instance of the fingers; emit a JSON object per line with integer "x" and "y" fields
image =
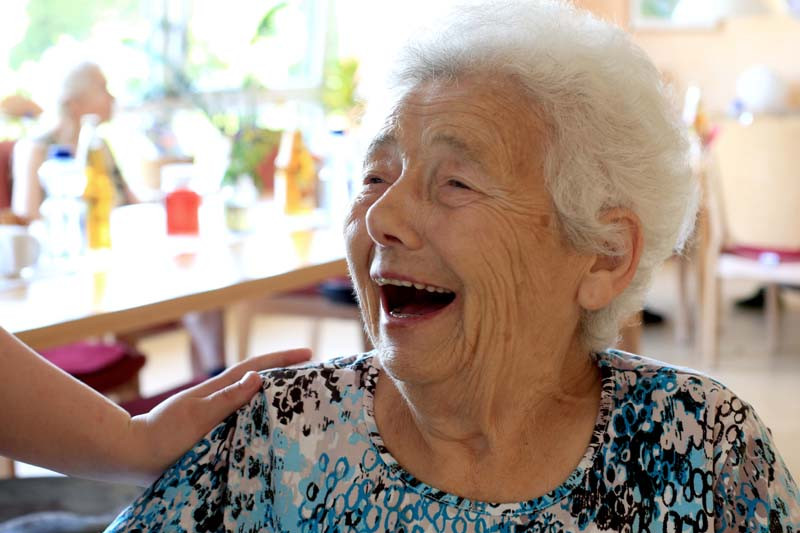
{"x": 261, "y": 362}
{"x": 177, "y": 423}
{"x": 227, "y": 399}
{"x": 276, "y": 359}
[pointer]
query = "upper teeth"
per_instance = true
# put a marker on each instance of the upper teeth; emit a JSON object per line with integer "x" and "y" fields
{"x": 404, "y": 283}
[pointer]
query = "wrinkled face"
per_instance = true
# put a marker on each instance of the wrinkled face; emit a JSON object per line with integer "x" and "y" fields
{"x": 453, "y": 243}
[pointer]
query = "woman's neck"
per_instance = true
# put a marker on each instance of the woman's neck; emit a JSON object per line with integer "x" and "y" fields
{"x": 488, "y": 419}
{"x": 66, "y": 131}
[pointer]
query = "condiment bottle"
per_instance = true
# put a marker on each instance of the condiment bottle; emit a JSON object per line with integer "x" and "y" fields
{"x": 182, "y": 211}
{"x": 99, "y": 193}
{"x": 298, "y": 172}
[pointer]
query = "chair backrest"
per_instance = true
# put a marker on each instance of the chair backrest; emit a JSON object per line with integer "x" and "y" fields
{"x": 758, "y": 183}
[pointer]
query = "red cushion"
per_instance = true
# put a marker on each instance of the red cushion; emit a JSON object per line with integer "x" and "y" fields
{"x": 6, "y": 149}
{"x": 85, "y": 357}
{"x": 762, "y": 254}
{"x": 115, "y": 375}
{"x": 102, "y": 366}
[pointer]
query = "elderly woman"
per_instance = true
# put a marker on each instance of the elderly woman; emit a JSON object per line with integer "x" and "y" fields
{"x": 526, "y": 182}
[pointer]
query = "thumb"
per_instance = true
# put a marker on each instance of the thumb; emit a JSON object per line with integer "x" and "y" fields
{"x": 225, "y": 401}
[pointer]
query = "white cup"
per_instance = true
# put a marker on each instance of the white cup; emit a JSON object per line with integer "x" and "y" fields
{"x": 18, "y": 249}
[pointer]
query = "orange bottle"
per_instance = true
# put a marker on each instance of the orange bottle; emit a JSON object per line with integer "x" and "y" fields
{"x": 99, "y": 196}
{"x": 300, "y": 176}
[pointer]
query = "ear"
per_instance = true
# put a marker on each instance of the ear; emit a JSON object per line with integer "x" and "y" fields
{"x": 609, "y": 275}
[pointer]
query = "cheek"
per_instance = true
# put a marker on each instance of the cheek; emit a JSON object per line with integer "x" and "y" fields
{"x": 357, "y": 241}
{"x": 503, "y": 253}
{"x": 358, "y": 249}
{"x": 477, "y": 246}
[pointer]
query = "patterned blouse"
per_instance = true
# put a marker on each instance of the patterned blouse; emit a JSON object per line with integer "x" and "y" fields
{"x": 672, "y": 450}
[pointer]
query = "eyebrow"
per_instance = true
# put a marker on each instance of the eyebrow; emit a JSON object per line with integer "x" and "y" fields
{"x": 455, "y": 143}
{"x": 460, "y": 146}
{"x": 381, "y": 141}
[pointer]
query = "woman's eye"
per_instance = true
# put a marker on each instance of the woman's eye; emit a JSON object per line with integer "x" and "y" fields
{"x": 372, "y": 179}
{"x": 458, "y": 184}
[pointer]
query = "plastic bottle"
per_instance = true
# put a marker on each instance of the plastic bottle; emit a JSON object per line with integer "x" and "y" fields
{"x": 182, "y": 211}
{"x": 296, "y": 176}
{"x": 182, "y": 202}
{"x": 335, "y": 176}
{"x": 99, "y": 193}
{"x": 63, "y": 209}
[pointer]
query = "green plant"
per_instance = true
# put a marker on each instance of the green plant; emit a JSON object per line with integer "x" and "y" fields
{"x": 266, "y": 28}
{"x": 339, "y": 85}
{"x": 253, "y": 153}
{"x": 50, "y": 19}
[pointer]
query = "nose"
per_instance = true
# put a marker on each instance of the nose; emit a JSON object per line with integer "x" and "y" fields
{"x": 393, "y": 220}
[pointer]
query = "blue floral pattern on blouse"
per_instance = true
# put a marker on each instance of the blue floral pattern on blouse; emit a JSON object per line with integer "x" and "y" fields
{"x": 672, "y": 450}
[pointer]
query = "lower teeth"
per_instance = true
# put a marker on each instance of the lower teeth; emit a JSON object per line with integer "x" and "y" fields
{"x": 397, "y": 314}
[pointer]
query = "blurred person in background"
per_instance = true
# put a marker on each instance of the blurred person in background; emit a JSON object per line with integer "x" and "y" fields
{"x": 83, "y": 92}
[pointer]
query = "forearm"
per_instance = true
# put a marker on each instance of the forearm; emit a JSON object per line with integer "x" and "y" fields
{"x": 52, "y": 420}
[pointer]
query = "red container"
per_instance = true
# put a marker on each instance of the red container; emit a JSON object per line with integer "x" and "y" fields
{"x": 182, "y": 207}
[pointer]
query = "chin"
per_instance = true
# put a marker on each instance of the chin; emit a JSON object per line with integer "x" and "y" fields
{"x": 400, "y": 363}
{"x": 416, "y": 364}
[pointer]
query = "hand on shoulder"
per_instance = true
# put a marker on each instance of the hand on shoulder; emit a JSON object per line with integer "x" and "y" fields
{"x": 161, "y": 436}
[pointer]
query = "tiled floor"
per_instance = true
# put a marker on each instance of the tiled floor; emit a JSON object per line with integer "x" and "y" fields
{"x": 770, "y": 383}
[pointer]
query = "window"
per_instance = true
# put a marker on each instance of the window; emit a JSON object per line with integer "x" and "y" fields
{"x": 42, "y": 38}
{"x": 279, "y": 45}
{"x": 162, "y": 48}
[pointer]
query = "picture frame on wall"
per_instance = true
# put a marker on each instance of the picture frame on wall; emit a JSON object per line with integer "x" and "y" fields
{"x": 674, "y": 14}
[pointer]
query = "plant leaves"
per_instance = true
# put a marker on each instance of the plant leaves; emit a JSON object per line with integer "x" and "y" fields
{"x": 266, "y": 28}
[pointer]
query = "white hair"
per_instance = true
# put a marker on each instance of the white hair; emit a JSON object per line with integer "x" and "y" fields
{"x": 613, "y": 138}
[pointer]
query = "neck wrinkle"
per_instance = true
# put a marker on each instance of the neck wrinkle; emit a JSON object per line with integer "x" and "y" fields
{"x": 454, "y": 418}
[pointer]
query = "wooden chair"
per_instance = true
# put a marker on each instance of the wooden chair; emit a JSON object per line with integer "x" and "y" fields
{"x": 309, "y": 303}
{"x": 753, "y": 203}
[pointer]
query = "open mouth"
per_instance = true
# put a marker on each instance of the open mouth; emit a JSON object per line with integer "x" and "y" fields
{"x": 404, "y": 299}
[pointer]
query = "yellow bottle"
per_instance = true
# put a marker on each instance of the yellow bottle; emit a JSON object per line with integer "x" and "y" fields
{"x": 300, "y": 174}
{"x": 99, "y": 196}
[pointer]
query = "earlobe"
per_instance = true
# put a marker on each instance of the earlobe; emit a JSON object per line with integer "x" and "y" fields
{"x": 595, "y": 290}
{"x": 610, "y": 275}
